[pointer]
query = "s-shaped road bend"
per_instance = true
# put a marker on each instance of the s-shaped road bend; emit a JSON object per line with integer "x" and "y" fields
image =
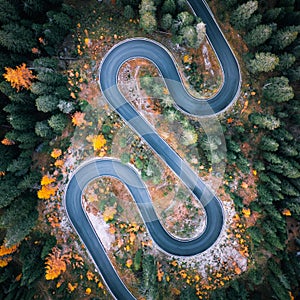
{"x": 96, "y": 168}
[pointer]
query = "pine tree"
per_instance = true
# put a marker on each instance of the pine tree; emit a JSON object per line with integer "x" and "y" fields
{"x": 181, "y": 5}
{"x": 45, "y": 64}
{"x": 271, "y": 157}
{"x": 19, "y": 219}
{"x": 255, "y": 234}
{"x": 148, "y": 22}
{"x": 8, "y": 12}
{"x": 52, "y": 78}
{"x": 184, "y": 19}
{"x": 288, "y": 149}
{"x": 16, "y": 38}
{"x": 253, "y": 22}
{"x": 55, "y": 29}
{"x": 8, "y": 190}
{"x": 30, "y": 181}
{"x": 289, "y": 189}
{"x": 279, "y": 290}
{"x": 286, "y": 60}
{"x": 284, "y": 37}
{"x": 128, "y": 12}
{"x": 259, "y": 35}
{"x": 290, "y": 168}
{"x": 189, "y": 35}
{"x": 166, "y": 21}
{"x": 281, "y": 134}
{"x": 268, "y": 144}
{"x": 277, "y": 89}
{"x": 33, "y": 7}
{"x": 264, "y": 121}
{"x": 27, "y": 140}
{"x": 147, "y": 6}
{"x": 272, "y": 14}
{"x": 46, "y": 103}
{"x": 43, "y": 129}
{"x": 263, "y": 62}
{"x": 265, "y": 196}
{"x": 21, "y": 122}
{"x": 242, "y": 14}
{"x": 21, "y": 165}
{"x": 58, "y": 122}
{"x": 41, "y": 88}
{"x": 294, "y": 74}
{"x": 150, "y": 285}
{"x": 169, "y": 7}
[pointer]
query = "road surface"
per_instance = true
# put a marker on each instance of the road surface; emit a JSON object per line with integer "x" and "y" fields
{"x": 95, "y": 168}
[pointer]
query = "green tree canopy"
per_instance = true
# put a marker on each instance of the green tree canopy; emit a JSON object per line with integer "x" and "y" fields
{"x": 268, "y": 144}
{"x": 169, "y": 7}
{"x": 147, "y": 6}
{"x": 259, "y": 35}
{"x": 189, "y": 35}
{"x": 284, "y": 37}
{"x": 242, "y": 14}
{"x": 263, "y": 62}
{"x": 8, "y": 12}
{"x": 58, "y": 122}
{"x": 16, "y": 38}
{"x": 128, "y": 12}
{"x": 264, "y": 121}
{"x": 46, "y": 103}
{"x": 166, "y": 21}
{"x": 43, "y": 129}
{"x": 147, "y": 16}
{"x": 185, "y": 18}
{"x": 286, "y": 60}
{"x": 277, "y": 89}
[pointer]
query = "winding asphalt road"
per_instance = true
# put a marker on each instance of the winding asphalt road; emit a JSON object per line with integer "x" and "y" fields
{"x": 127, "y": 175}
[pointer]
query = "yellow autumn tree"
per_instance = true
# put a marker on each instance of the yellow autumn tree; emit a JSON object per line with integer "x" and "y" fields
{"x": 129, "y": 263}
{"x": 109, "y": 213}
{"x": 56, "y": 263}
{"x": 89, "y": 275}
{"x": 47, "y": 180}
{"x": 72, "y": 287}
{"x": 47, "y": 189}
{"x": 98, "y": 142}
{"x": 88, "y": 291}
{"x": 56, "y": 153}
{"x": 21, "y": 77}
{"x": 246, "y": 212}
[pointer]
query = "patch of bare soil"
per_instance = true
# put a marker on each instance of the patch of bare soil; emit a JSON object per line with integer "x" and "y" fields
{"x": 293, "y": 227}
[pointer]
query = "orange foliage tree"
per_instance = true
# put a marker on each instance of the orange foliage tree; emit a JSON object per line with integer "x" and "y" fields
{"x": 7, "y": 142}
{"x": 21, "y": 77}
{"x": 56, "y": 263}
{"x": 78, "y": 119}
{"x": 5, "y": 254}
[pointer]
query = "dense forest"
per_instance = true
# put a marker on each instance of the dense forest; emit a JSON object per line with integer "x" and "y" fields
{"x": 37, "y": 102}
{"x": 270, "y": 29}
{"x": 31, "y": 39}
